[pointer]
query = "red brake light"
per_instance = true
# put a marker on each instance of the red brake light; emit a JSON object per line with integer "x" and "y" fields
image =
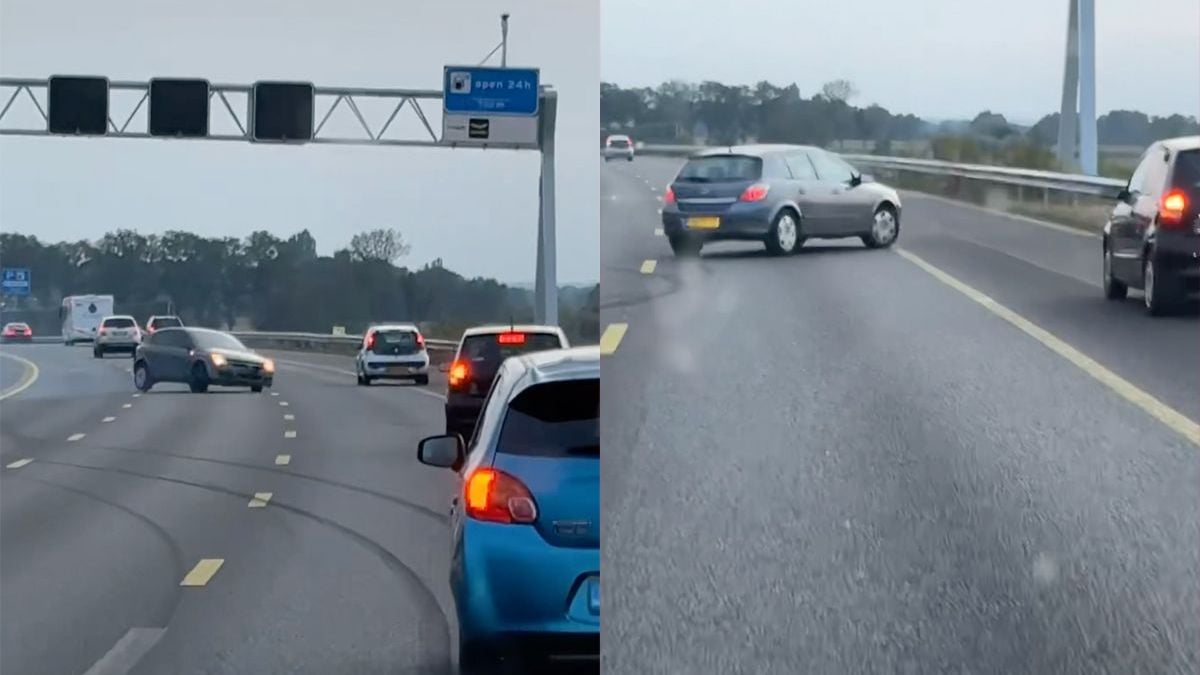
{"x": 420, "y": 341}
{"x": 669, "y": 196}
{"x": 511, "y": 338}
{"x": 1174, "y": 203}
{"x": 498, "y": 497}
{"x": 755, "y": 193}
{"x": 370, "y": 340}
{"x": 458, "y": 373}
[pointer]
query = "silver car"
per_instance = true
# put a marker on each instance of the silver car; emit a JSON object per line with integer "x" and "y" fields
{"x": 780, "y": 195}
{"x": 119, "y": 333}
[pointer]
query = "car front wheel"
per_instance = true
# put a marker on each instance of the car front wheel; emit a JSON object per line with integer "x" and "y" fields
{"x": 198, "y": 382}
{"x": 884, "y": 229}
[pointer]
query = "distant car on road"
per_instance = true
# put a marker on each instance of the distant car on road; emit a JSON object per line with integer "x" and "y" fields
{"x": 618, "y": 146}
{"x": 780, "y": 195}
{"x": 118, "y": 333}
{"x": 17, "y": 332}
{"x": 392, "y": 352}
{"x": 525, "y": 572}
{"x": 480, "y": 352}
{"x": 159, "y": 321}
{"x": 1152, "y": 239}
{"x": 199, "y": 357}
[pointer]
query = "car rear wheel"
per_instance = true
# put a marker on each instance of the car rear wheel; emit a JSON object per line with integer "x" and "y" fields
{"x": 256, "y": 388}
{"x": 684, "y": 246}
{"x": 97, "y": 353}
{"x": 421, "y": 379}
{"x": 199, "y": 380}
{"x": 1114, "y": 289}
{"x": 884, "y": 229}
{"x": 784, "y": 236}
{"x": 1160, "y": 295}
{"x": 141, "y": 376}
{"x": 475, "y": 658}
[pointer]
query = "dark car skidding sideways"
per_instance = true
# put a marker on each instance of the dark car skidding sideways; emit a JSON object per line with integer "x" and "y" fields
{"x": 199, "y": 357}
{"x": 780, "y": 195}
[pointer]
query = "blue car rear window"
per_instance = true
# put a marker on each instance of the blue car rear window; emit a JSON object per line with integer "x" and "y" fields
{"x": 721, "y": 168}
{"x": 556, "y": 419}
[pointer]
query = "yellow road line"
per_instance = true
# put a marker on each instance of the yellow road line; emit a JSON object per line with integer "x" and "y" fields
{"x": 283, "y": 460}
{"x": 27, "y": 379}
{"x": 202, "y": 572}
{"x": 611, "y": 339}
{"x": 19, "y": 463}
{"x": 1174, "y": 419}
{"x": 648, "y": 266}
{"x": 260, "y": 500}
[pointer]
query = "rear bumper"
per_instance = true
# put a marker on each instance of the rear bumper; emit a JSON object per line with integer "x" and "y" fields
{"x": 1180, "y": 260}
{"x": 396, "y": 371}
{"x": 116, "y": 345}
{"x": 738, "y": 222}
{"x": 509, "y": 584}
{"x": 462, "y": 412}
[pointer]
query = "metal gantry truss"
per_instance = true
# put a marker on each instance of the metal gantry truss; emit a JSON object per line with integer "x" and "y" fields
{"x": 219, "y": 97}
{"x": 546, "y": 280}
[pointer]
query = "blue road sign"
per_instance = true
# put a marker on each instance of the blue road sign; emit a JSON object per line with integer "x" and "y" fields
{"x": 474, "y": 90}
{"x": 15, "y": 281}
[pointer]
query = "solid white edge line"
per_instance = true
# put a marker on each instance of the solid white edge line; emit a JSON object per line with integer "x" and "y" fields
{"x": 127, "y": 651}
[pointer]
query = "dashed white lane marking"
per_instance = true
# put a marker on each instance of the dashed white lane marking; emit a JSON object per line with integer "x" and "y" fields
{"x": 126, "y": 653}
{"x": 19, "y": 463}
{"x": 106, "y": 420}
{"x": 74, "y": 437}
{"x": 126, "y": 405}
{"x": 283, "y": 460}
{"x": 289, "y": 434}
{"x": 137, "y": 395}
{"x": 260, "y": 500}
{"x": 659, "y": 198}
{"x": 274, "y": 393}
{"x": 289, "y": 417}
{"x": 283, "y": 403}
{"x": 658, "y": 232}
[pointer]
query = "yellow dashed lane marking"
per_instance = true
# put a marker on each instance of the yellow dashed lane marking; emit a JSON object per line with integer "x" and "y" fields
{"x": 611, "y": 338}
{"x": 19, "y": 463}
{"x": 283, "y": 460}
{"x": 1177, "y": 421}
{"x": 648, "y": 266}
{"x": 202, "y": 572}
{"x": 260, "y": 500}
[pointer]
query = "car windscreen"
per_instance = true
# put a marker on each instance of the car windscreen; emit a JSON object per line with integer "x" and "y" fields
{"x": 619, "y": 142}
{"x": 167, "y": 322}
{"x": 206, "y": 340}
{"x": 488, "y": 351}
{"x": 394, "y": 342}
{"x": 721, "y": 168}
{"x": 555, "y": 419}
{"x": 119, "y": 323}
{"x": 17, "y": 326}
{"x": 1187, "y": 173}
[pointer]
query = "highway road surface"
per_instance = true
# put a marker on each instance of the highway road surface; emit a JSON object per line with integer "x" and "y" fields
{"x": 950, "y": 457}
{"x": 168, "y": 532}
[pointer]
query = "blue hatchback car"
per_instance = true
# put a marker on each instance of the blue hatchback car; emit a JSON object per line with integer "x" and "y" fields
{"x": 525, "y": 525}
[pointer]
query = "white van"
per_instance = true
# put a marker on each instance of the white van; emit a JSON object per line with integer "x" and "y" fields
{"x": 81, "y": 316}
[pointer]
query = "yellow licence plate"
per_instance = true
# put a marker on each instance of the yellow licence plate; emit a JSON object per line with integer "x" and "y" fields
{"x": 708, "y": 223}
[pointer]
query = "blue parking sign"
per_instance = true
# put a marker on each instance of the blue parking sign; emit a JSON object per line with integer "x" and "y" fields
{"x": 16, "y": 281}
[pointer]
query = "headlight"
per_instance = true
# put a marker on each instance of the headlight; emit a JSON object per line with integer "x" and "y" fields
{"x": 268, "y": 366}
{"x": 218, "y": 360}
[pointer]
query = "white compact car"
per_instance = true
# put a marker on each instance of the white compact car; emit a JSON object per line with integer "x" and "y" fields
{"x": 117, "y": 333}
{"x": 618, "y": 146}
{"x": 392, "y": 352}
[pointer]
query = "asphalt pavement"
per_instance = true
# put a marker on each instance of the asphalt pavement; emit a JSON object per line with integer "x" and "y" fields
{"x": 111, "y": 501}
{"x": 950, "y": 457}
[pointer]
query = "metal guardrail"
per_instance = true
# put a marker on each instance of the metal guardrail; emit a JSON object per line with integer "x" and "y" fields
{"x": 1044, "y": 180}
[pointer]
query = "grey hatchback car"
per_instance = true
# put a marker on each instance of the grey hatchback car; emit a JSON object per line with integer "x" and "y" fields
{"x": 781, "y": 195}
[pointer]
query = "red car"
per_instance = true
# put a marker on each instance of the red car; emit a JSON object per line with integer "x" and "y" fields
{"x": 17, "y": 332}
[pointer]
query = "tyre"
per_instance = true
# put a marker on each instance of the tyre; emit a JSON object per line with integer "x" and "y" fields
{"x": 198, "y": 382}
{"x": 366, "y": 380}
{"x": 631, "y": 159}
{"x": 784, "y": 236}
{"x": 885, "y": 228}
{"x": 256, "y": 388}
{"x": 684, "y": 246}
{"x": 97, "y": 353}
{"x": 1114, "y": 289}
{"x": 477, "y": 659}
{"x": 141, "y": 376}
{"x": 421, "y": 379}
{"x": 1159, "y": 289}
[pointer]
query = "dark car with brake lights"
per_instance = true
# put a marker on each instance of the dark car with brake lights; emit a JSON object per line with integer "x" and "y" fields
{"x": 1151, "y": 241}
{"x": 781, "y": 195}
{"x": 477, "y": 360}
{"x": 199, "y": 358}
{"x": 160, "y": 321}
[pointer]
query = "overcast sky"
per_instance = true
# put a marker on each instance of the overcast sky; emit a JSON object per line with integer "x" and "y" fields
{"x": 477, "y": 210}
{"x": 934, "y": 58}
